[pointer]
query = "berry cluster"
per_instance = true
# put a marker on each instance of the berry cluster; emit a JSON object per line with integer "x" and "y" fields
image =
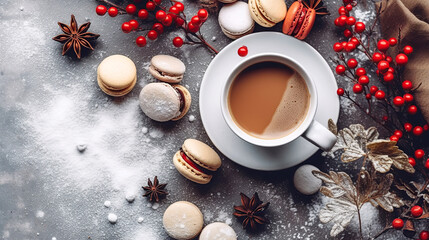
{"x": 387, "y": 93}
{"x": 160, "y": 18}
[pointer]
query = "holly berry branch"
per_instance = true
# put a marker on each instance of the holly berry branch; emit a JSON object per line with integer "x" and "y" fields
{"x": 161, "y": 19}
{"x": 388, "y": 99}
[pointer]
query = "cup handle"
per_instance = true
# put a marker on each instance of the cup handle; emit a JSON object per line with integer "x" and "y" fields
{"x": 320, "y": 136}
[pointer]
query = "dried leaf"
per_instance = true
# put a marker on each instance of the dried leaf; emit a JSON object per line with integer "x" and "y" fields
{"x": 373, "y": 185}
{"x": 332, "y": 126}
{"x": 384, "y": 153}
{"x": 337, "y": 185}
{"x": 353, "y": 141}
{"x": 407, "y": 189}
{"x": 426, "y": 197}
{"x": 340, "y": 212}
{"x": 388, "y": 202}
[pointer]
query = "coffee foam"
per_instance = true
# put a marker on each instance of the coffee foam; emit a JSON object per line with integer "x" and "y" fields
{"x": 293, "y": 101}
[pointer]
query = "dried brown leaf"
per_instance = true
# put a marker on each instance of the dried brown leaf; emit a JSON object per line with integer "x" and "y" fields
{"x": 388, "y": 202}
{"x": 332, "y": 126}
{"x": 384, "y": 153}
{"x": 337, "y": 185}
{"x": 340, "y": 212}
{"x": 426, "y": 197}
{"x": 407, "y": 189}
{"x": 373, "y": 185}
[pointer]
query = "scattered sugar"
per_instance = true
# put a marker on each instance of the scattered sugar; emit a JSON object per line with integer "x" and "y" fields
{"x": 145, "y": 130}
{"x": 156, "y": 133}
{"x": 191, "y": 118}
{"x": 140, "y": 219}
{"x": 54, "y": 238}
{"x": 130, "y": 197}
{"x": 155, "y": 206}
{"x": 107, "y": 204}
{"x": 112, "y": 218}
{"x": 40, "y": 214}
{"x": 81, "y": 147}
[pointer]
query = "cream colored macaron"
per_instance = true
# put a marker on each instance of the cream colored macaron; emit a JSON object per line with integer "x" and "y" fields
{"x": 116, "y": 75}
{"x": 218, "y": 231}
{"x": 167, "y": 68}
{"x": 267, "y": 12}
{"x": 235, "y": 20}
{"x": 183, "y": 220}
{"x": 196, "y": 161}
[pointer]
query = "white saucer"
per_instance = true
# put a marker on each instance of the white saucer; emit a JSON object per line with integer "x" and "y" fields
{"x": 232, "y": 146}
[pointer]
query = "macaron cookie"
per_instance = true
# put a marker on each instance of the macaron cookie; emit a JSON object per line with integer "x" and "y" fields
{"x": 299, "y": 20}
{"x": 163, "y": 102}
{"x": 267, "y": 12}
{"x": 116, "y": 75}
{"x": 183, "y": 220}
{"x": 235, "y": 20}
{"x": 196, "y": 161}
{"x": 167, "y": 68}
{"x": 218, "y": 231}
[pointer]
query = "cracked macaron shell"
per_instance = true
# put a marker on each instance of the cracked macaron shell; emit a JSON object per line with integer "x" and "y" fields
{"x": 167, "y": 68}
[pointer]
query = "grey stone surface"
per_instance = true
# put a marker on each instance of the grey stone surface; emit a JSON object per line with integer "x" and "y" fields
{"x": 49, "y": 104}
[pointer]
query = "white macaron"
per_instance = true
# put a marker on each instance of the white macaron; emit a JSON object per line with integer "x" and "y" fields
{"x": 235, "y": 20}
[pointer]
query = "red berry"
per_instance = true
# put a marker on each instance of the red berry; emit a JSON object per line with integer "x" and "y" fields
{"x": 377, "y": 57}
{"x": 344, "y": 44}
{"x": 340, "y": 69}
{"x": 397, "y": 223}
{"x": 408, "y": 97}
{"x": 417, "y": 131}
{"x": 158, "y": 27}
{"x": 141, "y": 41}
{"x": 157, "y": 2}
{"x": 351, "y": 21}
{"x": 150, "y": 6}
{"x": 355, "y": 41}
{"x": 408, "y": 127}
{"x": 143, "y": 14}
{"x": 193, "y": 28}
{"x": 242, "y": 51}
{"x": 391, "y": 70}
{"x": 394, "y": 138}
{"x": 412, "y": 109}
{"x": 196, "y": 20}
{"x": 419, "y": 153}
{"x": 348, "y": 33}
{"x": 352, "y": 63}
{"x": 340, "y": 91}
{"x": 179, "y": 6}
{"x": 168, "y": 20}
{"x": 347, "y": 1}
{"x": 360, "y": 72}
{"x": 342, "y": 20}
{"x": 398, "y": 101}
{"x": 385, "y": 118}
{"x": 416, "y": 211}
{"x": 350, "y": 47}
{"x": 380, "y": 95}
{"x": 427, "y": 166}
{"x": 337, "y": 22}
{"x": 364, "y": 80}
{"x": 408, "y": 50}
{"x": 359, "y": 27}
{"x": 388, "y": 77}
{"x": 407, "y": 85}
{"x": 426, "y": 127}
{"x": 342, "y": 10}
{"x": 101, "y": 10}
{"x": 412, "y": 161}
{"x": 389, "y": 59}
{"x": 393, "y": 42}
{"x": 383, "y": 66}
{"x": 373, "y": 89}
{"x": 424, "y": 235}
{"x": 338, "y": 47}
{"x": 177, "y": 41}
{"x": 179, "y": 22}
{"x": 126, "y": 27}
{"x": 152, "y": 35}
{"x": 160, "y": 15}
{"x": 131, "y": 9}
{"x": 357, "y": 88}
{"x": 383, "y": 45}
{"x": 349, "y": 7}
{"x": 134, "y": 24}
{"x": 203, "y": 14}
{"x": 113, "y": 12}
{"x": 401, "y": 59}
{"x": 398, "y": 133}
{"x": 174, "y": 10}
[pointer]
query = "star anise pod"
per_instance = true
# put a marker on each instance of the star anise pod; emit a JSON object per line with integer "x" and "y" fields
{"x": 250, "y": 211}
{"x": 154, "y": 191}
{"x": 75, "y": 37}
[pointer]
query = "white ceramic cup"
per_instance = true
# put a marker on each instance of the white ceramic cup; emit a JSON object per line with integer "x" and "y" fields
{"x": 310, "y": 129}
